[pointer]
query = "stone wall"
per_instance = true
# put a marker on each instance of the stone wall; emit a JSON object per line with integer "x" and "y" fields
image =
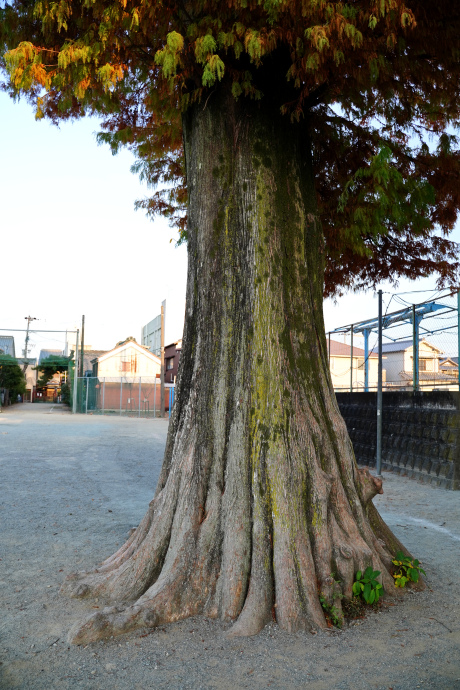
{"x": 420, "y": 433}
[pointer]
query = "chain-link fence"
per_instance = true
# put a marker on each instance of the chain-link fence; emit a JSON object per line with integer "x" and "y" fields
{"x": 128, "y": 396}
{"x": 420, "y": 349}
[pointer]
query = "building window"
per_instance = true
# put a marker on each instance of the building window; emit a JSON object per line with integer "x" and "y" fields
{"x": 423, "y": 365}
{"x": 170, "y": 363}
{"x": 360, "y": 362}
{"x": 128, "y": 364}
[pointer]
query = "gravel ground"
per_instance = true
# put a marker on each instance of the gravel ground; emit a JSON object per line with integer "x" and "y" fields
{"x": 71, "y": 489}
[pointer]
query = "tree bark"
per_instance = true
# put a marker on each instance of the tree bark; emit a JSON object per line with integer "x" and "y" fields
{"x": 260, "y": 506}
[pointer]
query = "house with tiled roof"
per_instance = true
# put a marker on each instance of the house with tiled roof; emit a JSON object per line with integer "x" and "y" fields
{"x": 449, "y": 366}
{"x": 399, "y": 366}
{"x": 342, "y": 358}
{"x": 127, "y": 359}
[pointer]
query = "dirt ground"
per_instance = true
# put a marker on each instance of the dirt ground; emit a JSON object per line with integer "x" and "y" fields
{"x": 71, "y": 487}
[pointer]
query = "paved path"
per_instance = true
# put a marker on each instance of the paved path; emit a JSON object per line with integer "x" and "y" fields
{"x": 71, "y": 487}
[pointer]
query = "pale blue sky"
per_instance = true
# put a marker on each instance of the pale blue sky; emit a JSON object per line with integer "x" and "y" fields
{"x": 72, "y": 244}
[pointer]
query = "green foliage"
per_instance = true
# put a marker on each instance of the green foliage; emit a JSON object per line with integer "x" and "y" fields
{"x": 407, "y": 570}
{"x": 332, "y": 612}
{"x": 367, "y": 586}
{"x": 65, "y": 393}
{"x": 51, "y": 365}
{"x": 11, "y": 376}
{"x": 379, "y": 199}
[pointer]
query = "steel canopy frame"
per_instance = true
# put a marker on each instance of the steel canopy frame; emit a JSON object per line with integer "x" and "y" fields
{"x": 413, "y": 314}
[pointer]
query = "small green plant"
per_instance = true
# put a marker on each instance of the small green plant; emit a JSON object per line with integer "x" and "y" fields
{"x": 367, "y": 586}
{"x": 407, "y": 570}
{"x": 333, "y": 615}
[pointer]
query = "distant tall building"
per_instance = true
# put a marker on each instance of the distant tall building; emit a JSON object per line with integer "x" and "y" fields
{"x": 7, "y": 345}
{"x": 151, "y": 335}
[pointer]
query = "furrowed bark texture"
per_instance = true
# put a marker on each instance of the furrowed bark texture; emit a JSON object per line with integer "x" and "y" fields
{"x": 260, "y": 499}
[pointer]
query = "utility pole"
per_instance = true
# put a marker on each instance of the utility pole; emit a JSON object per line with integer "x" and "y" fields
{"x": 82, "y": 346}
{"x": 162, "y": 356}
{"x": 379, "y": 395}
{"x": 26, "y": 347}
{"x": 75, "y": 377}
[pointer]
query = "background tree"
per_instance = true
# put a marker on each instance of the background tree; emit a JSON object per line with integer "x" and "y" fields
{"x": 312, "y": 145}
{"x": 49, "y": 366}
{"x": 11, "y": 377}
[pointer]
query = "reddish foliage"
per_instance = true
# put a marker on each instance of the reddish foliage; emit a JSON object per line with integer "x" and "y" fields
{"x": 361, "y": 77}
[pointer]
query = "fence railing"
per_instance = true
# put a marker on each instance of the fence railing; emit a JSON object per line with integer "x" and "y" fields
{"x": 420, "y": 349}
{"x": 128, "y": 396}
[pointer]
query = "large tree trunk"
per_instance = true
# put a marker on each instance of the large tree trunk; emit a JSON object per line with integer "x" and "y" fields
{"x": 260, "y": 505}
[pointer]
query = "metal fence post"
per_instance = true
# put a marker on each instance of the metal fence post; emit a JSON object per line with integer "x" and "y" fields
{"x": 121, "y": 393}
{"x": 379, "y": 395}
{"x": 87, "y": 389}
{"x": 366, "y": 360}
{"x": 155, "y": 398}
{"x": 103, "y": 396}
{"x": 414, "y": 351}
{"x": 140, "y": 396}
{"x": 75, "y": 377}
{"x": 458, "y": 337}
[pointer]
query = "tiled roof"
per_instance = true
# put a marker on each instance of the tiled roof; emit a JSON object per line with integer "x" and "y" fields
{"x": 89, "y": 356}
{"x": 427, "y": 376}
{"x": 402, "y": 345}
{"x": 449, "y": 362}
{"x": 344, "y": 350}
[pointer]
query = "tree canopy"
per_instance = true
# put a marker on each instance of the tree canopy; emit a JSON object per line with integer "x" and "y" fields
{"x": 52, "y": 365}
{"x": 11, "y": 376}
{"x": 376, "y": 82}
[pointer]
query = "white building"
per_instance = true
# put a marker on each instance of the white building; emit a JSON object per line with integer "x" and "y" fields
{"x": 341, "y": 362}
{"x": 399, "y": 366}
{"x": 127, "y": 359}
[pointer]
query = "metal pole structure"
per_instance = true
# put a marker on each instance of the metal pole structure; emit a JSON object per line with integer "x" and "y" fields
{"x": 75, "y": 377}
{"x": 139, "y": 396}
{"x": 155, "y": 398}
{"x": 414, "y": 351}
{"x": 87, "y": 388}
{"x": 351, "y": 359}
{"x": 26, "y": 347}
{"x": 103, "y": 396}
{"x": 366, "y": 360}
{"x": 329, "y": 350}
{"x": 458, "y": 336}
{"x": 162, "y": 356}
{"x": 82, "y": 345}
{"x": 379, "y": 395}
{"x": 121, "y": 393}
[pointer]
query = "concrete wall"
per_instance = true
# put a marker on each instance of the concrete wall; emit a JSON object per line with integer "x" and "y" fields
{"x": 421, "y": 433}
